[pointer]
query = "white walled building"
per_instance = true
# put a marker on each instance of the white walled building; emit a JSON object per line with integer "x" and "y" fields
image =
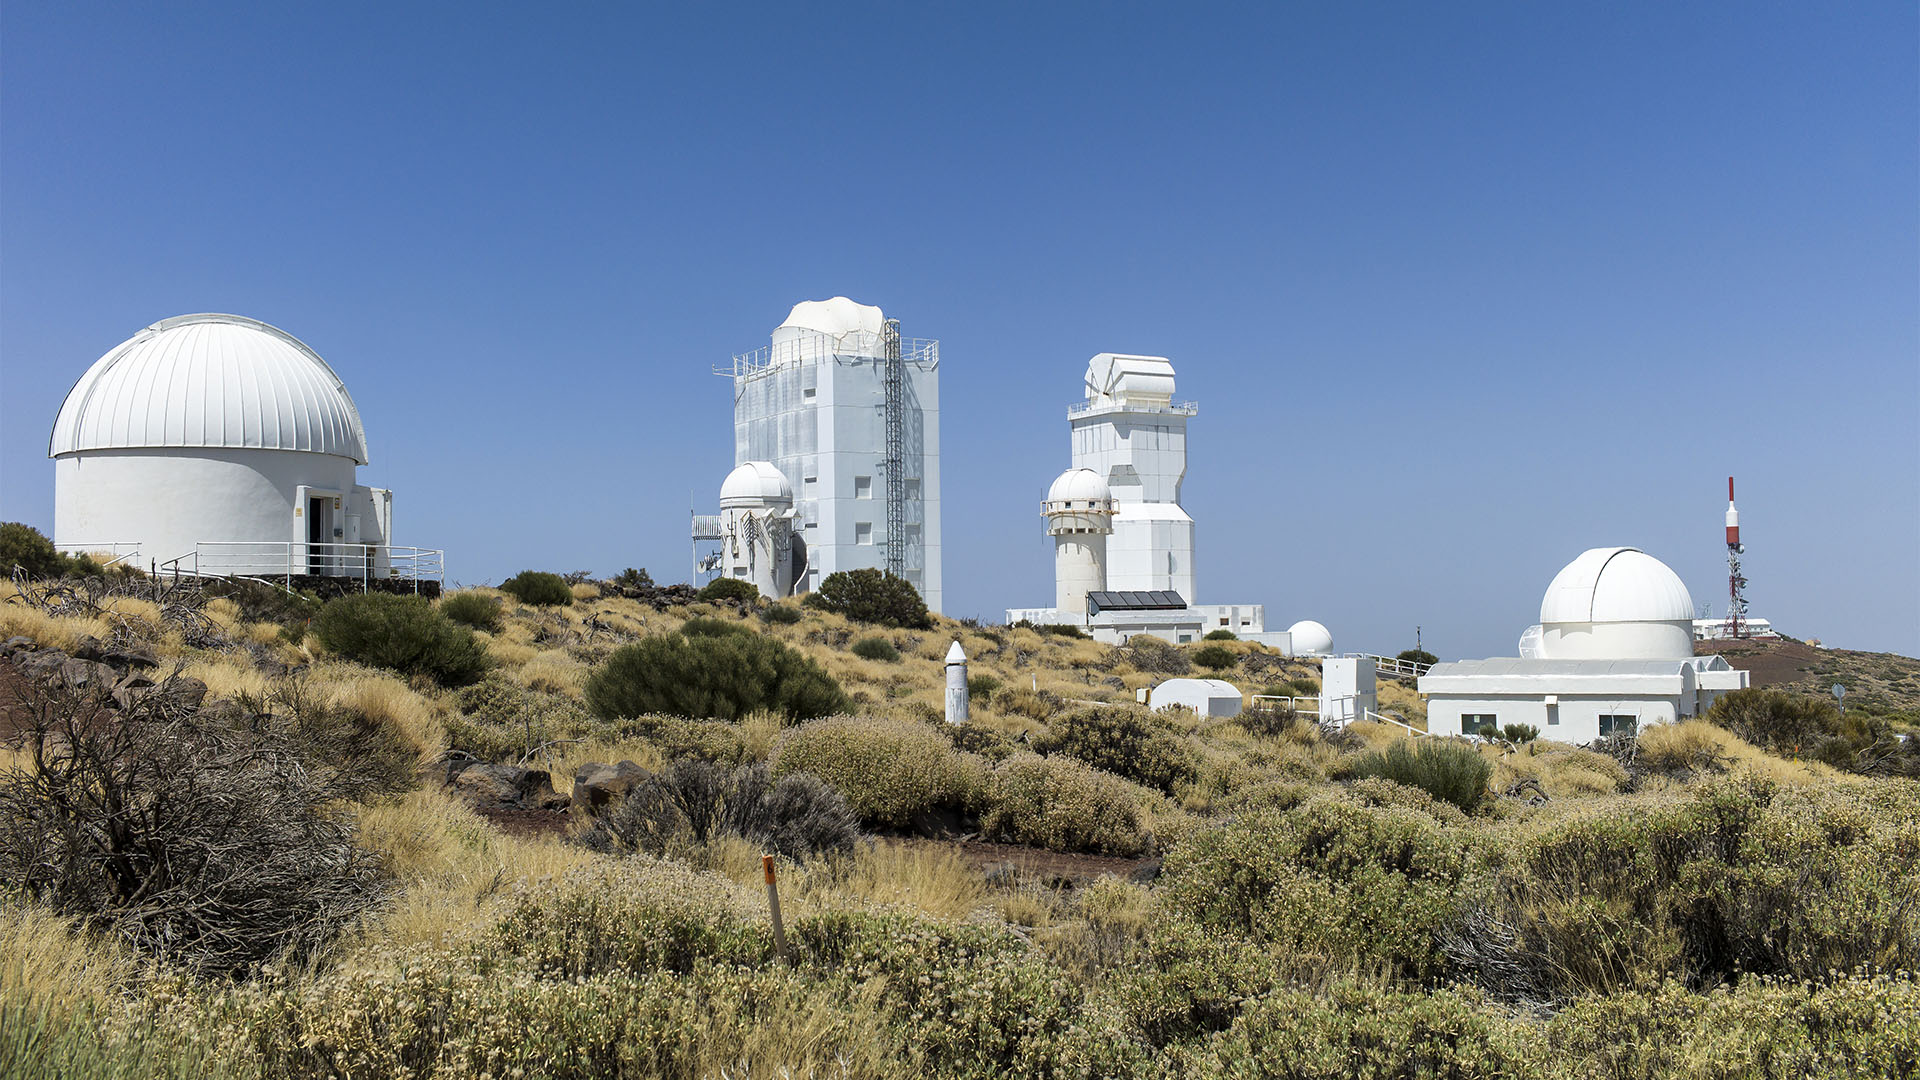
{"x": 848, "y": 412}
{"x": 218, "y": 444}
{"x": 756, "y": 528}
{"x": 1613, "y": 652}
{"x": 1123, "y": 544}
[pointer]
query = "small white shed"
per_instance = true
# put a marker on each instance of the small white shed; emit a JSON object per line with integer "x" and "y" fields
{"x": 1206, "y": 697}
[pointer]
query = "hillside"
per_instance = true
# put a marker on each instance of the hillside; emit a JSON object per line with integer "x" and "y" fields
{"x": 434, "y": 865}
{"x": 1881, "y": 683}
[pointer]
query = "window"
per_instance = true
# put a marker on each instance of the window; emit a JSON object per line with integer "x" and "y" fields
{"x": 1223, "y": 621}
{"x": 863, "y": 487}
{"x": 1184, "y": 638}
{"x": 807, "y": 394}
{"x": 811, "y": 480}
{"x": 863, "y": 532}
{"x": 1479, "y": 723}
{"x": 913, "y": 489}
{"x": 1618, "y": 724}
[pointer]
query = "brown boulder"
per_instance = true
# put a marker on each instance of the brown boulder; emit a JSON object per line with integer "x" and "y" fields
{"x": 597, "y": 785}
{"x": 508, "y": 787}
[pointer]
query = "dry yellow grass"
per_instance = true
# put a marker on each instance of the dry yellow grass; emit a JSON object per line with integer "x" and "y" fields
{"x": 584, "y": 591}
{"x": 50, "y": 962}
{"x": 386, "y": 697}
{"x": 556, "y": 671}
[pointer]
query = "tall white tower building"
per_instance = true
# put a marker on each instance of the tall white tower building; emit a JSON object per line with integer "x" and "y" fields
{"x": 1131, "y": 432}
{"x": 848, "y": 412}
{"x": 1079, "y": 512}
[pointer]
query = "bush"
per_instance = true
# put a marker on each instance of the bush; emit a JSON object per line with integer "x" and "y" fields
{"x": 1215, "y": 657}
{"x": 1417, "y": 656}
{"x": 472, "y": 609}
{"x": 873, "y": 596}
{"x": 1066, "y": 630}
{"x": 539, "y": 588}
{"x": 876, "y": 648}
{"x": 632, "y": 579}
{"x": 781, "y": 614}
{"x": 890, "y": 771}
{"x": 211, "y": 839}
{"x": 29, "y": 549}
{"x": 730, "y": 590}
{"x": 1150, "y": 655}
{"x": 693, "y": 802}
{"x": 1127, "y": 741}
{"x": 1269, "y": 718}
{"x": 404, "y": 634}
{"x": 707, "y": 677}
{"x": 1328, "y": 879}
{"x": 1061, "y": 805}
{"x": 1222, "y": 635}
{"x": 1449, "y": 771}
{"x": 1519, "y": 734}
{"x": 981, "y": 687}
{"x": 500, "y": 720}
{"x": 703, "y": 626}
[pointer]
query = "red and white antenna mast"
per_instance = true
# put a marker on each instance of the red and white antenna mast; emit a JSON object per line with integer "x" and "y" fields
{"x": 1736, "y": 581}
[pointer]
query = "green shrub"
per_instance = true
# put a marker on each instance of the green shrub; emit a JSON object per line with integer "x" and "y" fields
{"x": 1066, "y": 630}
{"x": 1269, "y": 718}
{"x": 1304, "y": 686}
{"x": 404, "y": 634}
{"x": 1519, "y": 734}
{"x": 1127, "y": 741}
{"x": 876, "y": 648}
{"x": 981, "y": 687}
{"x": 539, "y": 588}
{"x": 708, "y": 677}
{"x": 781, "y": 614}
{"x": 500, "y": 721}
{"x": 730, "y": 590}
{"x": 1330, "y": 879}
{"x": 872, "y": 596}
{"x": 1215, "y": 657}
{"x": 1418, "y": 656}
{"x": 1062, "y": 805}
{"x": 704, "y": 626}
{"x": 692, "y": 801}
{"x": 1222, "y": 635}
{"x": 890, "y": 771}
{"x": 28, "y": 548}
{"x": 473, "y": 609}
{"x": 1449, "y": 771}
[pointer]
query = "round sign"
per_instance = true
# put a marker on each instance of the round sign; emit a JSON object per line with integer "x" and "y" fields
{"x": 1839, "y": 691}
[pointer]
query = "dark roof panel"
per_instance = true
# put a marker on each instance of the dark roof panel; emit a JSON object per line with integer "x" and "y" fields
{"x": 1132, "y": 600}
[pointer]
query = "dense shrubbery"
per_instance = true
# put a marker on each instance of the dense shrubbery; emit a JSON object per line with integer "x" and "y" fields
{"x": 1329, "y": 878}
{"x": 1128, "y": 741}
{"x": 1222, "y": 635}
{"x": 1417, "y": 656}
{"x": 781, "y": 614}
{"x": 981, "y": 687}
{"x": 472, "y": 609}
{"x": 539, "y": 588}
{"x": 1150, "y": 655}
{"x": 728, "y": 590}
{"x": 692, "y": 801}
{"x": 1519, "y": 733}
{"x": 1067, "y": 630}
{"x": 876, "y": 648}
{"x": 891, "y": 771}
{"x": 721, "y": 677}
{"x": 703, "y": 626}
{"x": 1063, "y": 805}
{"x": 28, "y": 548}
{"x": 404, "y": 634}
{"x": 1215, "y": 657}
{"x": 1451, "y": 771}
{"x": 872, "y": 596}
{"x": 1796, "y": 725}
{"x": 1269, "y": 718}
{"x": 500, "y": 720}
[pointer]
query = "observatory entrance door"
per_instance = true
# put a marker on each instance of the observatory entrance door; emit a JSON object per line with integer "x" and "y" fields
{"x": 317, "y": 535}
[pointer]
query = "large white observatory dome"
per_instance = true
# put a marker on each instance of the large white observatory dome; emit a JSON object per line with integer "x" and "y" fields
{"x": 1616, "y": 603}
{"x": 1079, "y": 486}
{"x": 214, "y": 381}
{"x": 1309, "y": 638}
{"x": 834, "y": 317}
{"x": 755, "y": 484}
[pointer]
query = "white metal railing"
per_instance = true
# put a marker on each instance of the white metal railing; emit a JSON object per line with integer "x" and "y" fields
{"x": 1180, "y": 408}
{"x": 1304, "y": 706}
{"x": 1394, "y": 666}
{"x": 118, "y": 551}
{"x": 1382, "y": 718}
{"x": 290, "y": 559}
{"x": 856, "y": 344}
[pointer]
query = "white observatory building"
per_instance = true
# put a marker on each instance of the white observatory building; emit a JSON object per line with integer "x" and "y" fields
{"x": 216, "y": 444}
{"x": 1123, "y": 544}
{"x": 1612, "y": 653}
{"x": 847, "y": 413}
{"x": 756, "y": 528}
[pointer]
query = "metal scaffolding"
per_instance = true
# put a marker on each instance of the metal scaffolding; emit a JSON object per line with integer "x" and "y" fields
{"x": 895, "y": 461}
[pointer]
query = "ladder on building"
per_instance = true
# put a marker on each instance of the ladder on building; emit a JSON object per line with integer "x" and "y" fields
{"x": 894, "y": 378}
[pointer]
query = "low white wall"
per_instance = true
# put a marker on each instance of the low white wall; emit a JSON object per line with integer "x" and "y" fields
{"x": 1575, "y": 719}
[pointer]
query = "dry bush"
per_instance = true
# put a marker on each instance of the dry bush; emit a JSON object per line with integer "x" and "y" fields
{"x": 692, "y": 802}
{"x": 1126, "y": 740}
{"x": 212, "y": 842}
{"x": 1062, "y": 805}
{"x": 890, "y": 771}
{"x": 1689, "y": 747}
{"x": 1150, "y": 655}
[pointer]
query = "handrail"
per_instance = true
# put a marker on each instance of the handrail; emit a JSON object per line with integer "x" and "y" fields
{"x": 105, "y": 548}
{"x": 1393, "y": 665}
{"x": 1381, "y": 718}
{"x": 288, "y": 559}
{"x": 1312, "y": 705}
{"x": 1175, "y": 408}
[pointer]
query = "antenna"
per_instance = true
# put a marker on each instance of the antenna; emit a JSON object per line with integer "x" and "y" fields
{"x": 1736, "y": 581}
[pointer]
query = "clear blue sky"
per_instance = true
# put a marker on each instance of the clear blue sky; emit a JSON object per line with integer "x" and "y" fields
{"x": 1462, "y": 289}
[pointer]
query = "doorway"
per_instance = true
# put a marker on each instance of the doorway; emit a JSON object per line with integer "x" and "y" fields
{"x": 319, "y": 533}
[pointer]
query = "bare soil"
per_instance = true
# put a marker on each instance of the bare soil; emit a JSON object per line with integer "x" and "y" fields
{"x": 1878, "y": 682}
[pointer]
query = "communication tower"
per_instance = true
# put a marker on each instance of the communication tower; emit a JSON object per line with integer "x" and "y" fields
{"x": 1736, "y": 581}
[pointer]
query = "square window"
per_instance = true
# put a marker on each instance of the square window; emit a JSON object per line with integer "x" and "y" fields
{"x": 863, "y": 532}
{"x": 1479, "y": 723}
{"x": 863, "y": 487}
{"x": 1618, "y": 724}
{"x": 912, "y": 489}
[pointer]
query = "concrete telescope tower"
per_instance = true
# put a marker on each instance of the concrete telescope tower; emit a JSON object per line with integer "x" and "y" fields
{"x": 1130, "y": 431}
{"x": 1079, "y": 512}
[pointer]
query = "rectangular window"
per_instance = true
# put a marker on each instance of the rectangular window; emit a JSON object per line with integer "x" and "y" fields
{"x": 1479, "y": 723}
{"x": 863, "y": 532}
{"x": 1223, "y": 620}
{"x": 863, "y": 487}
{"x": 807, "y": 394}
{"x": 913, "y": 489}
{"x": 811, "y": 480}
{"x": 1618, "y": 724}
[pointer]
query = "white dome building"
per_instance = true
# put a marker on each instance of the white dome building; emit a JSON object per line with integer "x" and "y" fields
{"x": 756, "y": 529}
{"x": 217, "y": 444}
{"x": 1079, "y": 512}
{"x": 1612, "y": 653}
{"x": 1309, "y": 638}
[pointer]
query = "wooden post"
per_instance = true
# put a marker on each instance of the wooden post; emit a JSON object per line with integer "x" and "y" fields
{"x": 773, "y": 905}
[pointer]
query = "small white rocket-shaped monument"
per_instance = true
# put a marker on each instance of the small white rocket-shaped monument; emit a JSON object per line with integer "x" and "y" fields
{"x": 956, "y": 684}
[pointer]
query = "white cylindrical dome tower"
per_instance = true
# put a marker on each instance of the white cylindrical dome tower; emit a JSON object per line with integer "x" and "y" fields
{"x": 1309, "y": 638}
{"x": 1616, "y": 603}
{"x": 1079, "y": 512}
{"x": 216, "y": 433}
{"x": 756, "y": 521}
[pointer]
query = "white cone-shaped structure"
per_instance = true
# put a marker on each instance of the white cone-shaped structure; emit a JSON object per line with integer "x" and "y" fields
{"x": 1079, "y": 512}
{"x": 1616, "y": 603}
{"x": 957, "y": 704}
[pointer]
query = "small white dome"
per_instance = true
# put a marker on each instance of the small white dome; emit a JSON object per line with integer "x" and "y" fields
{"x": 1616, "y": 584}
{"x": 210, "y": 381}
{"x": 1309, "y": 638}
{"x": 834, "y": 317}
{"x": 755, "y": 484}
{"x": 1080, "y": 486}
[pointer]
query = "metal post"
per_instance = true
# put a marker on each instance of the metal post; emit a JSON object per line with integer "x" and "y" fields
{"x": 773, "y": 906}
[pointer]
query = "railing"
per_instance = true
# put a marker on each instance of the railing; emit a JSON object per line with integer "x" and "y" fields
{"x": 920, "y": 352}
{"x": 1310, "y": 708}
{"x": 289, "y": 559}
{"x": 1178, "y": 408}
{"x": 1382, "y": 718}
{"x": 1394, "y": 666}
{"x": 119, "y": 550}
